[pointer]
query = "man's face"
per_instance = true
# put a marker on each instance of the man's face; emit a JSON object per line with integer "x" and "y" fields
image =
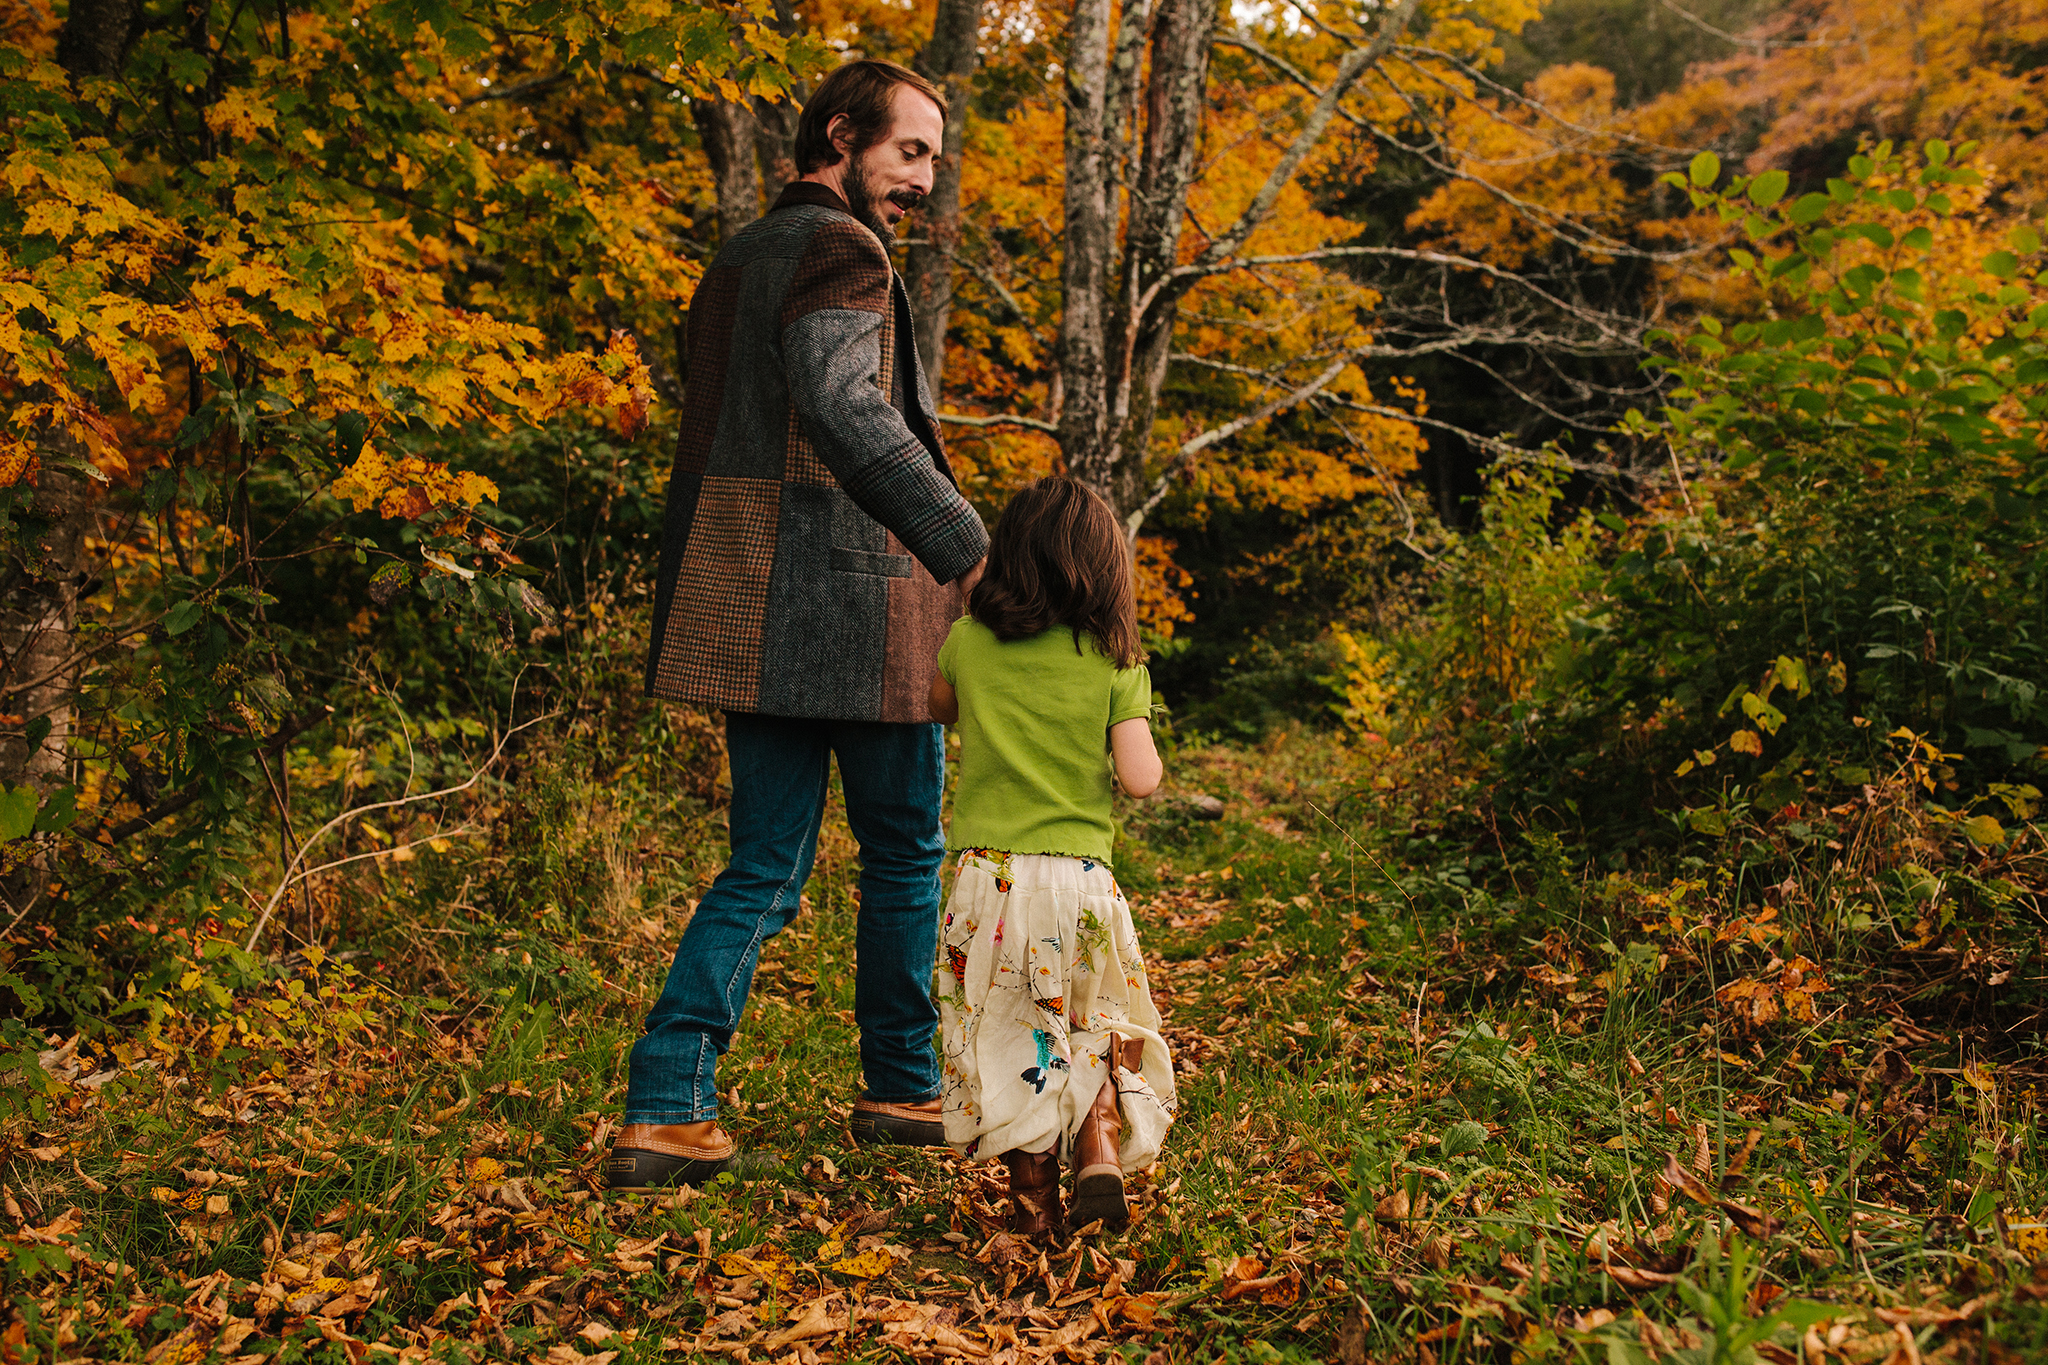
{"x": 889, "y": 179}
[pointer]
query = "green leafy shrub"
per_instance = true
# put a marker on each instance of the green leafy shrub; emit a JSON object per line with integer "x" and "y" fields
{"x": 1866, "y": 556}
{"x": 1505, "y": 595}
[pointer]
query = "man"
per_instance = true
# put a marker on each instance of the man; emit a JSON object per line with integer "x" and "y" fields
{"x": 816, "y": 551}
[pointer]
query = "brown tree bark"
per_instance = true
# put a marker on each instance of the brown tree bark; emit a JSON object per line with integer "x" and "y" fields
{"x": 775, "y": 143}
{"x": 95, "y": 37}
{"x": 727, "y": 131}
{"x": 41, "y": 573}
{"x": 948, "y": 61}
{"x": 38, "y": 612}
{"x": 775, "y": 120}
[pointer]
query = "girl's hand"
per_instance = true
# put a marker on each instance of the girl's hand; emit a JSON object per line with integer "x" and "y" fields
{"x": 1138, "y": 768}
{"x": 943, "y": 701}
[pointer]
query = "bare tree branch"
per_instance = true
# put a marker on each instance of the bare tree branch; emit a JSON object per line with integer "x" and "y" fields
{"x": 288, "y": 880}
{"x": 1196, "y": 445}
{"x": 961, "y": 419}
{"x": 981, "y": 272}
{"x": 1506, "y": 452}
{"x": 1392, "y": 487}
{"x": 1354, "y": 65}
{"x": 1761, "y": 46}
{"x": 1606, "y": 322}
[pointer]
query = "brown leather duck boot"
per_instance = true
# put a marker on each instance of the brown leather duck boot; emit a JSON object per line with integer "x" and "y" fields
{"x": 651, "y": 1156}
{"x": 878, "y": 1122}
{"x": 1035, "y": 1205}
{"x": 1098, "y": 1174}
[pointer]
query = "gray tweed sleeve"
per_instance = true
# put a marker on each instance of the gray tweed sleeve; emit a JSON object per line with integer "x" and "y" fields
{"x": 831, "y": 357}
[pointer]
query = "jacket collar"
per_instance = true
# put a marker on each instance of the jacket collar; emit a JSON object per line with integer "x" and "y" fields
{"x": 798, "y": 192}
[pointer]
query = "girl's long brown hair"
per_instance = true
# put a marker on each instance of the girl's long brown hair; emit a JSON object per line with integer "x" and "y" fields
{"x": 1058, "y": 558}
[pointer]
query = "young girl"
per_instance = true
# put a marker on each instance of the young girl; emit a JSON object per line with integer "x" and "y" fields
{"x": 1052, "y": 1041}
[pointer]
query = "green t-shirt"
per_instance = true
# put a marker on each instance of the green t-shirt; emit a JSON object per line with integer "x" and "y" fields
{"x": 1035, "y": 714}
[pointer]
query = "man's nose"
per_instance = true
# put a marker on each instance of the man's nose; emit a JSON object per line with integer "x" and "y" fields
{"x": 921, "y": 177}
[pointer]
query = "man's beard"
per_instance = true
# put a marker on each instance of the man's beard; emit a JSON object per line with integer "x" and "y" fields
{"x": 860, "y": 199}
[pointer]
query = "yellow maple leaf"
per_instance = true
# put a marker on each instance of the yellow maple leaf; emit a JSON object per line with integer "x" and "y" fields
{"x": 770, "y": 1264}
{"x": 50, "y": 216}
{"x": 15, "y": 457}
{"x": 240, "y": 113}
{"x": 867, "y": 1265}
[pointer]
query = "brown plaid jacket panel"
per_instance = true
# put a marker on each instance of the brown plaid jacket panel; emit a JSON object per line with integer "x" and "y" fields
{"x": 814, "y": 526}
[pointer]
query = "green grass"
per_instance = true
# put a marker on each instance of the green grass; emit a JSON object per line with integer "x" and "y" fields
{"x": 1426, "y": 1064}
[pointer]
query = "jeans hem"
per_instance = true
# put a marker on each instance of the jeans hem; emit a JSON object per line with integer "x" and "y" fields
{"x": 869, "y": 1095}
{"x": 663, "y": 1120}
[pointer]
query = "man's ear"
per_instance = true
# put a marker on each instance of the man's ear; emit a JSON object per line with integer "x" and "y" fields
{"x": 839, "y": 132}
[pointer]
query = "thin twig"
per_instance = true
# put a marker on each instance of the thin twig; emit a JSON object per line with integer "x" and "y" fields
{"x": 961, "y": 419}
{"x": 287, "y": 880}
{"x": 20, "y": 915}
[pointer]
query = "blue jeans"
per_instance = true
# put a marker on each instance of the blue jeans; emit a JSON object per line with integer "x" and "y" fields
{"x": 892, "y": 775}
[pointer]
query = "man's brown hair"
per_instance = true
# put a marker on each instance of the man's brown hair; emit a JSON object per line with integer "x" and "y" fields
{"x": 1058, "y": 558}
{"x": 865, "y": 92}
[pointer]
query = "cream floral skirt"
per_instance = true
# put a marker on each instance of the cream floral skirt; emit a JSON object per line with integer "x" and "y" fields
{"x": 1041, "y": 966}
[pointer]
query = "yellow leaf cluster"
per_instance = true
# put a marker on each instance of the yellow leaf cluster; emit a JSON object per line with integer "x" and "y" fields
{"x": 1557, "y": 162}
{"x": 408, "y": 487}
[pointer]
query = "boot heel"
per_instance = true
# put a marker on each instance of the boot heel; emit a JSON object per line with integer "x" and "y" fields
{"x": 1099, "y": 1193}
{"x": 1036, "y": 1209}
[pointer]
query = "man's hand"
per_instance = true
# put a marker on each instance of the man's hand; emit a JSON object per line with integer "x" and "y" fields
{"x": 971, "y": 577}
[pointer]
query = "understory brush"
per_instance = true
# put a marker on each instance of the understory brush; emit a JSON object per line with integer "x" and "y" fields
{"x": 1858, "y": 561}
{"x": 1450, "y": 1091}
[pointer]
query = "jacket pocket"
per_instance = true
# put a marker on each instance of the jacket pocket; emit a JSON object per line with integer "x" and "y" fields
{"x": 870, "y": 562}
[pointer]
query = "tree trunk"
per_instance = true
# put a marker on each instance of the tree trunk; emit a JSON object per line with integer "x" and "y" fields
{"x": 775, "y": 120}
{"x": 727, "y": 131}
{"x": 1176, "y": 105}
{"x": 948, "y": 61}
{"x": 42, "y": 570}
{"x": 38, "y": 610}
{"x": 1088, "y": 242}
{"x": 1114, "y": 349}
{"x": 775, "y": 141}
{"x": 95, "y": 37}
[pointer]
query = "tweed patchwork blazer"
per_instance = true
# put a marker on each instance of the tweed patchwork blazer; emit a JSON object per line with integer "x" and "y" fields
{"x": 814, "y": 529}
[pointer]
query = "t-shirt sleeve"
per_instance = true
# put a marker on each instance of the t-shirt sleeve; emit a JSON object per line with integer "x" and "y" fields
{"x": 950, "y": 651}
{"x": 1130, "y": 694}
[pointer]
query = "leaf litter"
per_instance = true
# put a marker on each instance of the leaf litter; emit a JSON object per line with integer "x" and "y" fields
{"x": 1428, "y": 1154}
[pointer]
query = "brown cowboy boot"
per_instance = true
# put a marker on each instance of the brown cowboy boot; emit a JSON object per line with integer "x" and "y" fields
{"x": 1098, "y": 1174}
{"x": 1035, "y": 1207}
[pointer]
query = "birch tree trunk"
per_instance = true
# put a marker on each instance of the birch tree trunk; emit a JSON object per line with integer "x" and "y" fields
{"x": 1121, "y": 299}
{"x": 948, "y": 61}
{"x": 38, "y": 611}
{"x": 1175, "y": 101}
{"x": 1098, "y": 86}
{"x": 42, "y": 572}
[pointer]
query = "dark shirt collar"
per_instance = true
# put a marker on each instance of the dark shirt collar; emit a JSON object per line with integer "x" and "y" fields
{"x": 798, "y": 192}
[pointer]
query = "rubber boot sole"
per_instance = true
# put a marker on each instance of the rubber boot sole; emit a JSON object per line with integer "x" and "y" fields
{"x": 870, "y": 1129}
{"x": 1099, "y": 1193}
{"x": 642, "y": 1172}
